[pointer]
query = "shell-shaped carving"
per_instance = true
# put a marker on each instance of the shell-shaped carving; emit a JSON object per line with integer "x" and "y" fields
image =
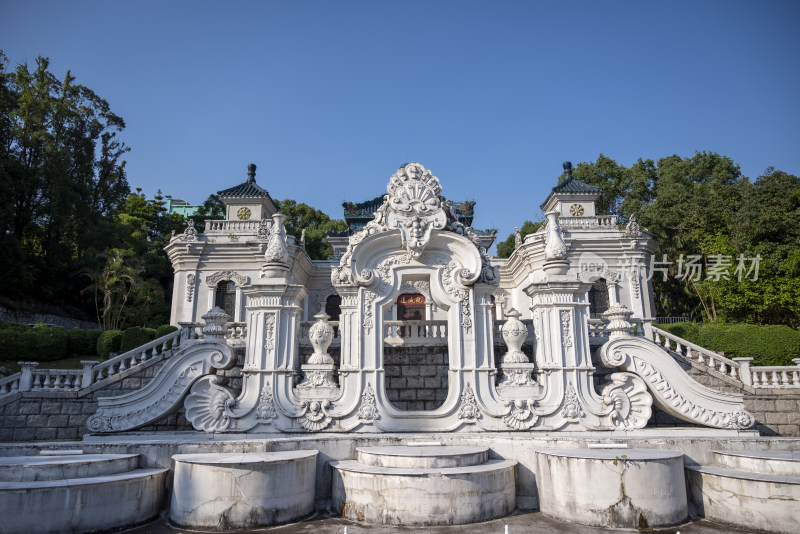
{"x": 414, "y": 189}
{"x": 631, "y": 404}
{"x": 208, "y": 405}
{"x": 519, "y": 416}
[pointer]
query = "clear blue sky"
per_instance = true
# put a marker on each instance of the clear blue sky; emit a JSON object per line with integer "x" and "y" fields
{"x": 329, "y": 98}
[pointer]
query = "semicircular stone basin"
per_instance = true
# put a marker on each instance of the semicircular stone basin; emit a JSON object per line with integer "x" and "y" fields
{"x": 615, "y": 488}
{"x": 230, "y": 491}
{"x": 432, "y": 485}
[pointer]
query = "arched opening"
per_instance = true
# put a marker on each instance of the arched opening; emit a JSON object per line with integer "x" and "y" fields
{"x": 226, "y": 297}
{"x": 598, "y": 298}
{"x": 333, "y": 307}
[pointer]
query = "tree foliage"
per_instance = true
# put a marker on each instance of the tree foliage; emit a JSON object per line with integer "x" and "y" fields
{"x": 703, "y": 206}
{"x": 301, "y": 217}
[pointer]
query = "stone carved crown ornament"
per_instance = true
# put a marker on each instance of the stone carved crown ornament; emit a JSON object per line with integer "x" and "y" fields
{"x": 415, "y": 206}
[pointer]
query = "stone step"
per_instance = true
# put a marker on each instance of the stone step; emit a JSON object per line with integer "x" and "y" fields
{"x": 431, "y": 456}
{"x": 766, "y": 462}
{"x": 745, "y": 499}
{"x": 622, "y": 488}
{"x": 60, "y": 467}
{"x": 424, "y": 495}
{"x": 80, "y": 505}
{"x": 239, "y": 491}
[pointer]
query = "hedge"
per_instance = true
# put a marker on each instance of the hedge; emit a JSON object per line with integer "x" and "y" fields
{"x": 767, "y": 345}
{"x": 135, "y": 336}
{"x": 108, "y": 342}
{"x": 46, "y": 343}
{"x": 163, "y": 330}
{"x": 91, "y": 340}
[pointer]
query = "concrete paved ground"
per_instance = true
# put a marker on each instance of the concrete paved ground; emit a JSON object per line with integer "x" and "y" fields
{"x": 519, "y": 523}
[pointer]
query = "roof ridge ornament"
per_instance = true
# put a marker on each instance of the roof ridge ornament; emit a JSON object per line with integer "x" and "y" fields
{"x": 251, "y": 173}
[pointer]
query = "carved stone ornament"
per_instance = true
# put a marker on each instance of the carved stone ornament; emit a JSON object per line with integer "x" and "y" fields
{"x": 516, "y": 374}
{"x": 239, "y": 279}
{"x": 566, "y": 329}
{"x": 517, "y": 238}
{"x": 190, "y": 281}
{"x": 265, "y": 412}
{"x": 208, "y": 405}
{"x": 630, "y": 403}
{"x": 415, "y": 206}
{"x": 321, "y": 336}
{"x": 571, "y": 408}
{"x": 514, "y": 334}
{"x": 277, "y": 251}
{"x": 368, "y": 411}
{"x": 215, "y": 323}
{"x": 519, "y": 414}
{"x": 618, "y": 324}
{"x": 632, "y": 228}
{"x": 190, "y": 233}
{"x": 469, "y": 407}
{"x": 555, "y": 247}
{"x": 315, "y": 415}
{"x": 263, "y": 230}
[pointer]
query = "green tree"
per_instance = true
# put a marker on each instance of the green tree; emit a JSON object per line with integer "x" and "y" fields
{"x": 62, "y": 175}
{"x": 506, "y": 248}
{"x": 212, "y": 208}
{"x": 301, "y": 217}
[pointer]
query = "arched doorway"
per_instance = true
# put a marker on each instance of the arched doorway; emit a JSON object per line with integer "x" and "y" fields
{"x": 598, "y": 299}
{"x": 225, "y": 297}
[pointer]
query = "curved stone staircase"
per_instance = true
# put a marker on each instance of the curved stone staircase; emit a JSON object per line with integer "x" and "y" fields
{"x": 77, "y": 492}
{"x": 424, "y": 485}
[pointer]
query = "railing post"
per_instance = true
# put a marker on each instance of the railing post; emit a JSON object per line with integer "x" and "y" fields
{"x": 744, "y": 370}
{"x": 26, "y": 379}
{"x": 88, "y": 372}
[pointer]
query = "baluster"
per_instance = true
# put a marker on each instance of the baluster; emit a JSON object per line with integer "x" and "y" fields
{"x": 795, "y": 378}
{"x": 755, "y": 376}
{"x": 784, "y": 378}
{"x": 700, "y": 357}
{"x": 122, "y": 365}
{"x": 734, "y": 371}
{"x": 775, "y": 379}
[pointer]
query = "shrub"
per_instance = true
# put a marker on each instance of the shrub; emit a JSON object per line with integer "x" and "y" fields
{"x": 12, "y": 345}
{"x": 135, "y": 336}
{"x": 163, "y": 330}
{"x": 46, "y": 343}
{"x": 108, "y": 342}
{"x": 91, "y": 341}
{"x": 77, "y": 343}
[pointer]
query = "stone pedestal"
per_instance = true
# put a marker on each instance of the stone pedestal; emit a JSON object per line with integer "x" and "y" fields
{"x": 613, "y": 488}
{"x": 232, "y": 491}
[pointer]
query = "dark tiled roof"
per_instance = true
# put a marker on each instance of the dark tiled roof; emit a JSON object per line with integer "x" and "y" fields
{"x": 570, "y": 185}
{"x": 246, "y": 189}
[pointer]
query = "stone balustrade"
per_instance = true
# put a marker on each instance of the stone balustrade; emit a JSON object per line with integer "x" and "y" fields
{"x": 403, "y": 333}
{"x": 234, "y": 227}
{"x": 10, "y": 384}
{"x": 738, "y": 369}
{"x": 139, "y": 355}
{"x": 598, "y": 221}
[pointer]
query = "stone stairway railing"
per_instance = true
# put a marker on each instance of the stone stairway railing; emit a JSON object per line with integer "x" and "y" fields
{"x": 32, "y": 379}
{"x": 738, "y": 369}
{"x": 414, "y": 332}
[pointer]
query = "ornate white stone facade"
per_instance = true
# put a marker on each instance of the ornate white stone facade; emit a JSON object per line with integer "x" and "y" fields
{"x": 416, "y": 245}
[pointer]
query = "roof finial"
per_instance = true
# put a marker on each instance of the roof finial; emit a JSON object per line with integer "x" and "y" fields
{"x": 568, "y": 170}
{"x": 251, "y": 173}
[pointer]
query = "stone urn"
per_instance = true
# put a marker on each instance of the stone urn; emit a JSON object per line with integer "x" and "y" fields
{"x": 514, "y": 334}
{"x": 321, "y": 336}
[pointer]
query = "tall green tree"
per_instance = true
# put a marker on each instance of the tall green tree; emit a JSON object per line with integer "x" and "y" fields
{"x": 63, "y": 174}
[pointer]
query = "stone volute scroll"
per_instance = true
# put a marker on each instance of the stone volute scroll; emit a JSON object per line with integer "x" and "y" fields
{"x": 515, "y": 368}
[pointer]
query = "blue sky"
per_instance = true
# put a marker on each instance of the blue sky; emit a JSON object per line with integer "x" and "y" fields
{"x": 329, "y": 98}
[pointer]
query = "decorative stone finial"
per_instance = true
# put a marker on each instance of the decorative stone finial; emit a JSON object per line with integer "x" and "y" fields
{"x": 276, "y": 246}
{"x": 514, "y": 334}
{"x": 568, "y": 170}
{"x": 321, "y": 336}
{"x": 618, "y": 324}
{"x": 251, "y": 173}
{"x": 215, "y": 323}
